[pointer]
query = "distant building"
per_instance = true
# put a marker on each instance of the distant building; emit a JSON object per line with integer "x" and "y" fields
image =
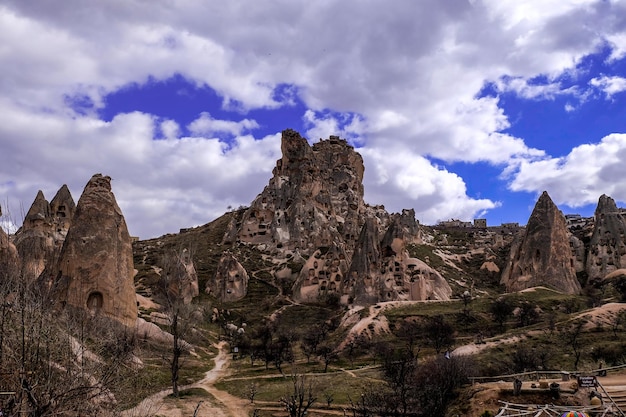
{"x": 482, "y": 223}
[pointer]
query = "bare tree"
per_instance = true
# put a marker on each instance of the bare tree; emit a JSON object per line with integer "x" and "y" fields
{"x": 300, "y": 399}
{"x": 172, "y": 283}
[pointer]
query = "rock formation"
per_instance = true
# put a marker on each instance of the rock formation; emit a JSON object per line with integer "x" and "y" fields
{"x": 182, "y": 278}
{"x": 40, "y": 239}
{"x": 323, "y": 274}
{"x": 543, "y": 255}
{"x": 231, "y": 280}
{"x": 314, "y": 198}
{"x": 95, "y": 271}
{"x": 607, "y": 247}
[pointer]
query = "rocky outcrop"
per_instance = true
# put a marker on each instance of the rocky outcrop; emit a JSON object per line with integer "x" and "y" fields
{"x": 230, "y": 282}
{"x": 314, "y": 199}
{"x": 382, "y": 270}
{"x": 323, "y": 275}
{"x": 95, "y": 271}
{"x": 40, "y": 239}
{"x": 181, "y": 276}
{"x": 542, "y": 256}
{"x": 607, "y": 247}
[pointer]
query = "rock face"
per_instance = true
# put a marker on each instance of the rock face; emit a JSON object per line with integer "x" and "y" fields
{"x": 231, "y": 280}
{"x": 314, "y": 198}
{"x": 382, "y": 270}
{"x": 313, "y": 207}
{"x": 182, "y": 277}
{"x": 607, "y": 247}
{"x": 543, "y": 255}
{"x": 95, "y": 268}
{"x": 40, "y": 239}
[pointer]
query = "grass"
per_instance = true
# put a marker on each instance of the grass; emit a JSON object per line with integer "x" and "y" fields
{"x": 342, "y": 385}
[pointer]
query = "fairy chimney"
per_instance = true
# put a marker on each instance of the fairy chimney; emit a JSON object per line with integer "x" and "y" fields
{"x": 95, "y": 268}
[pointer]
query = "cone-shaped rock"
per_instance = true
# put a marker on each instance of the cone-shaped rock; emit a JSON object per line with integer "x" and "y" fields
{"x": 543, "y": 256}
{"x": 182, "y": 278}
{"x": 62, "y": 208}
{"x": 95, "y": 269}
{"x": 363, "y": 281}
{"x": 231, "y": 279}
{"x": 34, "y": 240}
{"x": 607, "y": 248}
{"x": 40, "y": 239}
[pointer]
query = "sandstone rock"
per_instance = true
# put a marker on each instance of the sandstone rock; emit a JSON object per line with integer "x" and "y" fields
{"x": 607, "y": 247}
{"x": 95, "y": 268}
{"x": 543, "y": 255}
{"x": 314, "y": 198}
{"x": 182, "y": 278}
{"x": 231, "y": 280}
{"x": 382, "y": 270}
{"x": 323, "y": 274}
{"x": 40, "y": 239}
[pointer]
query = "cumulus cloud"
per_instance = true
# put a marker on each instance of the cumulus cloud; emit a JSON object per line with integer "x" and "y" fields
{"x": 579, "y": 178}
{"x": 205, "y": 125}
{"x": 401, "y": 76}
{"x": 402, "y": 179}
{"x": 609, "y": 85}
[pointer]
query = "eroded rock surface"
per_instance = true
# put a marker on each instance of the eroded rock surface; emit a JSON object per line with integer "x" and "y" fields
{"x": 542, "y": 256}
{"x": 231, "y": 279}
{"x": 40, "y": 239}
{"x": 607, "y": 247}
{"x": 95, "y": 270}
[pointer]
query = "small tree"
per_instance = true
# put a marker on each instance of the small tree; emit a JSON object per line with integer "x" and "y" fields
{"x": 501, "y": 309}
{"x": 173, "y": 278}
{"x": 440, "y": 333}
{"x": 300, "y": 399}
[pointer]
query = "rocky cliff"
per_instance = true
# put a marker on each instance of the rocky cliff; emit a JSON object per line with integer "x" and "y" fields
{"x": 95, "y": 268}
{"x": 542, "y": 255}
{"x": 314, "y": 198}
{"x": 607, "y": 248}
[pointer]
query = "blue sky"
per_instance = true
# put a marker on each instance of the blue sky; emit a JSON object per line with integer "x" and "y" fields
{"x": 460, "y": 109}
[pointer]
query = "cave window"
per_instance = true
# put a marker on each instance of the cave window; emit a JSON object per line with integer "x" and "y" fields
{"x": 95, "y": 301}
{"x": 537, "y": 254}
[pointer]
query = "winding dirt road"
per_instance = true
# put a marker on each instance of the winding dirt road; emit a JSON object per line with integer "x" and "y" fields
{"x": 223, "y": 404}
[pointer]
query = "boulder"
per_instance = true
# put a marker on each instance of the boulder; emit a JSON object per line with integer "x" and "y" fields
{"x": 95, "y": 271}
{"x": 542, "y": 255}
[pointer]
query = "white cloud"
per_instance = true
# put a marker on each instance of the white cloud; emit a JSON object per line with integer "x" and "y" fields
{"x": 161, "y": 185}
{"x": 609, "y": 85}
{"x": 205, "y": 125}
{"x": 399, "y": 73}
{"x": 402, "y": 179}
{"x": 579, "y": 178}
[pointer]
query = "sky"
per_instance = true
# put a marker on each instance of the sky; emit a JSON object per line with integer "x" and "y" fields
{"x": 461, "y": 109}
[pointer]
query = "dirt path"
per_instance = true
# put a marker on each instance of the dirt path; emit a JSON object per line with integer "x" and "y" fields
{"x": 223, "y": 405}
{"x": 233, "y": 406}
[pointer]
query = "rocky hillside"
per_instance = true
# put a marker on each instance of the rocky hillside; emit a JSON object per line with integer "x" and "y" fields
{"x": 310, "y": 234}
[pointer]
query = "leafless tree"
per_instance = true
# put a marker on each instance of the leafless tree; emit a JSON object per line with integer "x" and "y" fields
{"x": 297, "y": 402}
{"x": 172, "y": 282}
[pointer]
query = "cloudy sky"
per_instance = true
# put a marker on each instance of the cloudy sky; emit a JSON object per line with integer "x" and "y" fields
{"x": 460, "y": 108}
